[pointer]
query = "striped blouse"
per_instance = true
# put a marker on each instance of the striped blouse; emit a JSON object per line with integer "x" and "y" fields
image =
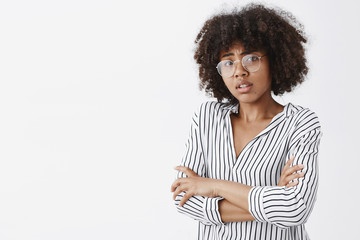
{"x": 279, "y": 212}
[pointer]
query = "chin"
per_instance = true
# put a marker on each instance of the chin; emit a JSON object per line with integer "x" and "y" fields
{"x": 252, "y": 97}
{"x": 246, "y": 98}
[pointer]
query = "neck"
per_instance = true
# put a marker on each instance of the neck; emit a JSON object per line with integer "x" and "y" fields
{"x": 262, "y": 109}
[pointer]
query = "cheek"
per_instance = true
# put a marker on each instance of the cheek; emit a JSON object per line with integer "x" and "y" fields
{"x": 265, "y": 79}
{"x": 267, "y": 74}
{"x": 227, "y": 83}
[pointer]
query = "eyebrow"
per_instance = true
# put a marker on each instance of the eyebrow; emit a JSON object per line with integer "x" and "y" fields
{"x": 232, "y": 54}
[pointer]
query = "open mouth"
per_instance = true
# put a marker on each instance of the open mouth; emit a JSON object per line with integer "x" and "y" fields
{"x": 243, "y": 85}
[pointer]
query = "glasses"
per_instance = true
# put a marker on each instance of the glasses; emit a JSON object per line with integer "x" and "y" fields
{"x": 251, "y": 63}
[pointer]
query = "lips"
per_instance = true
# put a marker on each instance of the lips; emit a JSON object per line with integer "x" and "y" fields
{"x": 243, "y": 84}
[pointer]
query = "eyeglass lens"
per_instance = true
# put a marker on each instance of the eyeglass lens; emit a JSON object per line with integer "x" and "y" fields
{"x": 251, "y": 63}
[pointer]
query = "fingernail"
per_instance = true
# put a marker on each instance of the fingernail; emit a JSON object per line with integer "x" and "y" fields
{"x": 301, "y": 165}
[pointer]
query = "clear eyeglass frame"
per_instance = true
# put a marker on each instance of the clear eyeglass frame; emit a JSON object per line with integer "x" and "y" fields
{"x": 246, "y": 62}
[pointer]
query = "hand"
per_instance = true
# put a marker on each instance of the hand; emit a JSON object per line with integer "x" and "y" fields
{"x": 289, "y": 173}
{"x": 192, "y": 185}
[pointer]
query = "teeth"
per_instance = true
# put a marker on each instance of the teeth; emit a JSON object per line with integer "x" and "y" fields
{"x": 243, "y": 85}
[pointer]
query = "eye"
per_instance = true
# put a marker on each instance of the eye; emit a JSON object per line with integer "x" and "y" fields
{"x": 251, "y": 58}
{"x": 228, "y": 63}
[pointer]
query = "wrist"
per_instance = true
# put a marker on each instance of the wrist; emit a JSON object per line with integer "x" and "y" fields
{"x": 217, "y": 187}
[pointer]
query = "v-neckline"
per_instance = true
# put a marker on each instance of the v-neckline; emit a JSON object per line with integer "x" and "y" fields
{"x": 266, "y": 129}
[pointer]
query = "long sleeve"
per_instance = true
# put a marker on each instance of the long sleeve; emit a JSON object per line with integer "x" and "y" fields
{"x": 279, "y": 212}
{"x": 200, "y": 208}
{"x": 286, "y": 207}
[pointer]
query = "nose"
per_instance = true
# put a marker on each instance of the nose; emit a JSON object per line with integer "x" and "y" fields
{"x": 240, "y": 71}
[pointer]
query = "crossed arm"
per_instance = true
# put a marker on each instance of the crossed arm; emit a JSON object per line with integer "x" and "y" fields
{"x": 234, "y": 206}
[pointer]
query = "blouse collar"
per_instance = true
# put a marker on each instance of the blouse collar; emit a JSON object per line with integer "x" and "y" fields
{"x": 287, "y": 111}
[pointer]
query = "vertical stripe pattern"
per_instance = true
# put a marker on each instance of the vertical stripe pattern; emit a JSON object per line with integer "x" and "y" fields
{"x": 280, "y": 212}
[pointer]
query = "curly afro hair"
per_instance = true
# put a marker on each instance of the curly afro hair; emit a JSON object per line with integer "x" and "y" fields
{"x": 257, "y": 27}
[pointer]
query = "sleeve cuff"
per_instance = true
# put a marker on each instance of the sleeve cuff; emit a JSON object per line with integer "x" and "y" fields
{"x": 211, "y": 210}
{"x": 256, "y": 204}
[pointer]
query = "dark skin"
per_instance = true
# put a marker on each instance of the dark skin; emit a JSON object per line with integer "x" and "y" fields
{"x": 257, "y": 109}
{"x": 234, "y": 207}
{"x": 244, "y": 132}
{"x": 257, "y": 26}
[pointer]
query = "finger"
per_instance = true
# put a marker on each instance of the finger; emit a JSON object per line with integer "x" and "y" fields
{"x": 288, "y": 164}
{"x": 290, "y": 161}
{"x": 177, "y": 192}
{"x": 294, "y": 176}
{"x": 294, "y": 169}
{"x": 175, "y": 184}
{"x": 292, "y": 184}
{"x": 186, "y": 170}
{"x": 185, "y": 198}
{"x": 178, "y": 182}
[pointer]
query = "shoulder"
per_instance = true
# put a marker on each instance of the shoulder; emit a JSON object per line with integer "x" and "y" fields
{"x": 213, "y": 108}
{"x": 304, "y": 119}
{"x": 301, "y": 114}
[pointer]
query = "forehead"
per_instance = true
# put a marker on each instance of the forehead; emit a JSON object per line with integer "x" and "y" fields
{"x": 236, "y": 48}
{"x": 237, "y": 45}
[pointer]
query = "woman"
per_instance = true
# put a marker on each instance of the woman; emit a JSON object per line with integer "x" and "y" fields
{"x": 250, "y": 167}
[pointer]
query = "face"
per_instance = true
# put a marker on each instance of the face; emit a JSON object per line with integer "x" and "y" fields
{"x": 247, "y": 87}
